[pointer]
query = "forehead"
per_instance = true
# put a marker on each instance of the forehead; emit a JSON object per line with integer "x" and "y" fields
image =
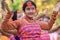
{"x": 30, "y": 6}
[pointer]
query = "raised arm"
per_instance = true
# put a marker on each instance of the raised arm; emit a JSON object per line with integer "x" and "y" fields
{"x": 48, "y": 26}
{"x": 6, "y": 25}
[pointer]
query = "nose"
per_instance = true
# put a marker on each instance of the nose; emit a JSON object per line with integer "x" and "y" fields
{"x": 31, "y": 10}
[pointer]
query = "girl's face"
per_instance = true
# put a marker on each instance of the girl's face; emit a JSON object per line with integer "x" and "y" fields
{"x": 30, "y": 11}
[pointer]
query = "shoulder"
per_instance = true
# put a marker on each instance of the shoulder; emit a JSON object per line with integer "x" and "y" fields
{"x": 19, "y": 21}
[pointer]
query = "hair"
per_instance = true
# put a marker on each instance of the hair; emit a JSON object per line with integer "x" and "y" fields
{"x": 14, "y": 15}
{"x": 25, "y": 5}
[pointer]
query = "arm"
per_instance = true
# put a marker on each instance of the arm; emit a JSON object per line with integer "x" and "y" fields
{"x": 6, "y": 24}
{"x": 48, "y": 26}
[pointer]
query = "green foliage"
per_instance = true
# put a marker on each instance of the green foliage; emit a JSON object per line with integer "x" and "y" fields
{"x": 16, "y": 5}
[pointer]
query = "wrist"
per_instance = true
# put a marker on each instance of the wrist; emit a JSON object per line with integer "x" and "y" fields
{"x": 56, "y": 9}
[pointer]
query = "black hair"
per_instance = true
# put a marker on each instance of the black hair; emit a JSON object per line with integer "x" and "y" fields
{"x": 14, "y": 15}
{"x": 25, "y": 4}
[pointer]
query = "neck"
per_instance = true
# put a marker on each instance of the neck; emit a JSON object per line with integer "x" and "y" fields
{"x": 30, "y": 18}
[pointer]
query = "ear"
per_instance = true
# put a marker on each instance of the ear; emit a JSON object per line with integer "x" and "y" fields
{"x": 36, "y": 9}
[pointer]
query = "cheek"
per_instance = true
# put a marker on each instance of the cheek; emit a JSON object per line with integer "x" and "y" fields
{"x": 27, "y": 11}
{"x": 34, "y": 11}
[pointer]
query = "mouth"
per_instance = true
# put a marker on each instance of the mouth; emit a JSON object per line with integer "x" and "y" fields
{"x": 31, "y": 14}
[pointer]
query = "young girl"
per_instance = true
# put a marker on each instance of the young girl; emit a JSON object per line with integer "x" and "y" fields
{"x": 27, "y": 27}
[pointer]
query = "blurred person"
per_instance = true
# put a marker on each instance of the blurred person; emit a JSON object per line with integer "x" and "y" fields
{"x": 44, "y": 16}
{"x": 19, "y": 15}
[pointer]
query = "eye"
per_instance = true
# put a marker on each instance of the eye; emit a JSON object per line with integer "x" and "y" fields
{"x": 28, "y": 8}
{"x": 33, "y": 8}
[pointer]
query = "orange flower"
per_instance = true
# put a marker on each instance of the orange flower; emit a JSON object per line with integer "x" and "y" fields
{"x": 29, "y": 3}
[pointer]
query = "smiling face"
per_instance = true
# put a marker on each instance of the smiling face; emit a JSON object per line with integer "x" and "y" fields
{"x": 30, "y": 11}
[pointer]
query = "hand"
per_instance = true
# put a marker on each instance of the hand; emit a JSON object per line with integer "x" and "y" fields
{"x": 56, "y": 8}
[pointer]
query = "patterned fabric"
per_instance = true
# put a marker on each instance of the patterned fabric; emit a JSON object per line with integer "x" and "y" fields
{"x": 32, "y": 32}
{"x": 44, "y": 36}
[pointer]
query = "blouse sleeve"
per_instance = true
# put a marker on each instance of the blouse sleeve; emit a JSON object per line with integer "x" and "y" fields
{"x": 48, "y": 26}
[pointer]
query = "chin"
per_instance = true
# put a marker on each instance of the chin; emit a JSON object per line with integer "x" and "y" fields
{"x": 31, "y": 16}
